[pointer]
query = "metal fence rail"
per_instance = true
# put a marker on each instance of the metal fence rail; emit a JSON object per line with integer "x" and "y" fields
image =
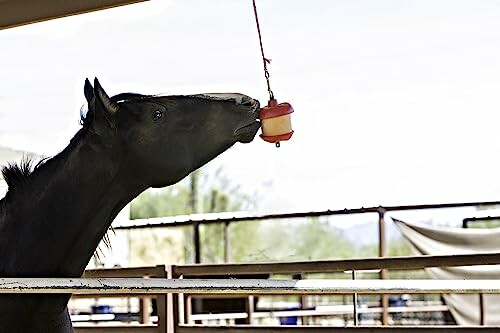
{"x": 217, "y": 218}
{"x": 246, "y": 286}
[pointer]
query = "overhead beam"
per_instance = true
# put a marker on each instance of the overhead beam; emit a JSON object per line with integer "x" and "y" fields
{"x": 15, "y": 13}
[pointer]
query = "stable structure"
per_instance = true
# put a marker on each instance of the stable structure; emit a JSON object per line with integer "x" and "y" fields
{"x": 174, "y": 280}
{"x": 20, "y": 12}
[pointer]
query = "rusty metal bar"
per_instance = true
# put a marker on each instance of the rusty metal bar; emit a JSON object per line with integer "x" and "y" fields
{"x": 158, "y": 221}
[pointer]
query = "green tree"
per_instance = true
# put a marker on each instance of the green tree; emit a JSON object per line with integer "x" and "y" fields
{"x": 215, "y": 193}
{"x": 310, "y": 239}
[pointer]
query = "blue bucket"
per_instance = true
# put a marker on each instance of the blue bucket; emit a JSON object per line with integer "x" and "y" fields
{"x": 292, "y": 320}
{"x": 101, "y": 309}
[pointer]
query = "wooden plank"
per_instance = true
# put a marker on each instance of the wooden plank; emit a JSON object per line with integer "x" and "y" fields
{"x": 117, "y": 295}
{"x": 326, "y": 266}
{"x": 361, "y": 329}
{"x": 116, "y": 329}
{"x": 20, "y": 12}
{"x": 245, "y": 286}
{"x": 151, "y": 271}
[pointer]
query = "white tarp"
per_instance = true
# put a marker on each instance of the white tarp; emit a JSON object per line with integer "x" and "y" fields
{"x": 447, "y": 241}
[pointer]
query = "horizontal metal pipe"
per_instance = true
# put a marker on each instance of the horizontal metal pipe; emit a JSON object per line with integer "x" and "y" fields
{"x": 245, "y": 286}
{"x": 186, "y": 221}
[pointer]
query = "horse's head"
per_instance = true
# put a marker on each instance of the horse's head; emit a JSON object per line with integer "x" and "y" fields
{"x": 162, "y": 139}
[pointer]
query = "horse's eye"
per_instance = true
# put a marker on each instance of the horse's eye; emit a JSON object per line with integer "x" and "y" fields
{"x": 157, "y": 115}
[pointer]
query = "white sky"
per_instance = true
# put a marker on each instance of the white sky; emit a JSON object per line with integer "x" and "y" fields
{"x": 396, "y": 101}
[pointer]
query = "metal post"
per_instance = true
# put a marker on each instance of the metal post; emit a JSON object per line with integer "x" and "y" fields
{"x": 383, "y": 272}
{"x": 482, "y": 319}
{"x": 193, "y": 203}
{"x": 196, "y": 243}
{"x": 227, "y": 243}
{"x": 355, "y": 302}
{"x": 195, "y": 303}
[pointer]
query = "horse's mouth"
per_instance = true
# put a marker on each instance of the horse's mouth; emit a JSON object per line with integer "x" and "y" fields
{"x": 247, "y": 133}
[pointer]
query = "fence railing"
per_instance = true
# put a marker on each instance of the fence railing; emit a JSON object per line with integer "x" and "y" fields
{"x": 181, "y": 283}
{"x": 155, "y": 286}
{"x": 176, "y": 282}
{"x": 229, "y": 218}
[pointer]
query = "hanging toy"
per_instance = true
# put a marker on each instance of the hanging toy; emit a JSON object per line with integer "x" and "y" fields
{"x": 276, "y": 122}
{"x": 275, "y": 119}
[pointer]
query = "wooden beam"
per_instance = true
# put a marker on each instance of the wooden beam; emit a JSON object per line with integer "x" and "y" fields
{"x": 20, "y": 12}
{"x": 326, "y": 266}
{"x": 151, "y": 271}
{"x": 117, "y": 329}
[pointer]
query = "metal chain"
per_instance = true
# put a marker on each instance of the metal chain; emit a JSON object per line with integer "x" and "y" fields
{"x": 265, "y": 61}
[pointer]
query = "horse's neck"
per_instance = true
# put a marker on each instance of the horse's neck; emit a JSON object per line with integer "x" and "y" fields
{"x": 52, "y": 224}
{"x": 74, "y": 198}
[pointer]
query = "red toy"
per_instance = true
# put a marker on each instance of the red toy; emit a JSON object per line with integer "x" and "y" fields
{"x": 276, "y": 122}
{"x": 275, "y": 119}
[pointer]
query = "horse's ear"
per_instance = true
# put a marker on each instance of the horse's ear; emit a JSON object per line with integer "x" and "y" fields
{"x": 104, "y": 110}
{"x": 103, "y": 99}
{"x": 88, "y": 90}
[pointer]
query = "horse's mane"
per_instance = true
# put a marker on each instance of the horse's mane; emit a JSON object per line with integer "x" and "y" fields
{"x": 18, "y": 174}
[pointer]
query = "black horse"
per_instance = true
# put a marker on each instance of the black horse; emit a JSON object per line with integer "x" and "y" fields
{"x": 55, "y": 213}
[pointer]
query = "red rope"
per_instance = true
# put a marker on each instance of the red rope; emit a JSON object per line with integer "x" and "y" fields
{"x": 265, "y": 60}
